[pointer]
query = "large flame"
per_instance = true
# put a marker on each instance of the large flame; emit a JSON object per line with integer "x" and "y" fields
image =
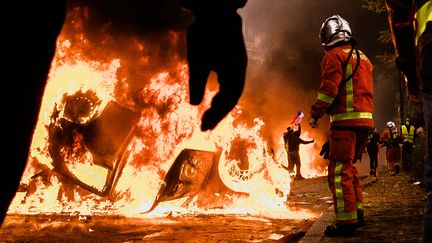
{"x": 167, "y": 125}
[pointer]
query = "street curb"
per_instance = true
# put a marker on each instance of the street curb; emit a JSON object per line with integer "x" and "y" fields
{"x": 316, "y": 232}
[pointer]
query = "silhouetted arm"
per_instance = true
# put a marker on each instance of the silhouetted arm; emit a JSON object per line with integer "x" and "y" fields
{"x": 306, "y": 142}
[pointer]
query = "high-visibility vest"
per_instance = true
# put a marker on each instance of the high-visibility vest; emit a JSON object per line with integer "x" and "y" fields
{"x": 408, "y": 136}
{"x": 422, "y": 16}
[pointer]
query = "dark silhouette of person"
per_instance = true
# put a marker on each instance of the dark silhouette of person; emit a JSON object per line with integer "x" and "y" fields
{"x": 410, "y": 25}
{"x": 292, "y": 142}
{"x": 31, "y": 29}
{"x": 372, "y": 148}
{"x": 215, "y": 43}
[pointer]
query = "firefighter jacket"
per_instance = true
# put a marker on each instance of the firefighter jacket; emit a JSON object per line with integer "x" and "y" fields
{"x": 390, "y": 139}
{"x": 407, "y": 133}
{"x": 348, "y": 102}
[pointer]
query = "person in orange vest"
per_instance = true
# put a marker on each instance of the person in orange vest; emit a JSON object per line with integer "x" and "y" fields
{"x": 410, "y": 25}
{"x": 391, "y": 139}
{"x": 346, "y": 94}
{"x": 408, "y": 133}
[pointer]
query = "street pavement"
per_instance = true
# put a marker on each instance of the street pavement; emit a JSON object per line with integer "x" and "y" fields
{"x": 393, "y": 209}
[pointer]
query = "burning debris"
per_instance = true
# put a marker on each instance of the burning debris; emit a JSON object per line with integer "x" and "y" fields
{"x": 105, "y": 145}
{"x": 94, "y": 150}
{"x": 83, "y": 138}
{"x": 187, "y": 176}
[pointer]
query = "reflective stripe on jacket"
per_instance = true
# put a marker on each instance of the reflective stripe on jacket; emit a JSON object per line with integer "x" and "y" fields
{"x": 422, "y": 16}
{"x": 349, "y": 104}
{"x": 408, "y": 136}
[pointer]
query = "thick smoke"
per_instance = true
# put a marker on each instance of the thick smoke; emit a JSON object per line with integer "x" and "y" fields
{"x": 147, "y": 36}
{"x": 135, "y": 17}
{"x": 283, "y": 47}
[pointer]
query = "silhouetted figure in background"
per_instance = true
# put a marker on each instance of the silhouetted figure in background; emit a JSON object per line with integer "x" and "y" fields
{"x": 292, "y": 142}
{"x": 372, "y": 148}
{"x": 215, "y": 43}
{"x": 31, "y": 29}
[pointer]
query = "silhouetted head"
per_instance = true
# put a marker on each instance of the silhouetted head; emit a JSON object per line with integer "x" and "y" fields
{"x": 407, "y": 121}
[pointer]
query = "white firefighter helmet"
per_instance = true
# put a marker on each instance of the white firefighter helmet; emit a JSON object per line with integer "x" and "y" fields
{"x": 334, "y": 30}
{"x": 392, "y": 127}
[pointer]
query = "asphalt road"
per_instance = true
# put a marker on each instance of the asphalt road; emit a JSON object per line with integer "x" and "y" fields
{"x": 393, "y": 210}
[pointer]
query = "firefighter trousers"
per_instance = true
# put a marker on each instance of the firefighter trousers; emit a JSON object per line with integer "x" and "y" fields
{"x": 343, "y": 179}
{"x": 393, "y": 158}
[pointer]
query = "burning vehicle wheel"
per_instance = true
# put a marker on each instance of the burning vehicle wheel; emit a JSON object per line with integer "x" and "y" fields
{"x": 89, "y": 147}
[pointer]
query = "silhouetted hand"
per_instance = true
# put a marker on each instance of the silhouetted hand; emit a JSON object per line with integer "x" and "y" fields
{"x": 215, "y": 43}
{"x": 312, "y": 122}
{"x": 325, "y": 150}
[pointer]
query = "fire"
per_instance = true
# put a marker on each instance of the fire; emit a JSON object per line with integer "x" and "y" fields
{"x": 78, "y": 91}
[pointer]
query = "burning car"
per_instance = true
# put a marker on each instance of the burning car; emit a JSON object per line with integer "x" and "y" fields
{"x": 82, "y": 139}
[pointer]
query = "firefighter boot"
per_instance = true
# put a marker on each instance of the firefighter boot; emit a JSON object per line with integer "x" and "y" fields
{"x": 360, "y": 218}
{"x": 340, "y": 230}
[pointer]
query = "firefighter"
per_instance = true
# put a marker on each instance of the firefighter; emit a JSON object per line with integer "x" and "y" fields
{"x": 215, "y": 43}
{"x": 346, "y": 94}
{"x": 407, "y": 131}
{"x": 391, "y": 139}
{"x": 411, "y": 28}
{"x": 292, "y": 142}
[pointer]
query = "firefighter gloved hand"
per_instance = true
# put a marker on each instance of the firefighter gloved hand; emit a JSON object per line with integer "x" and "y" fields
{"x": 312, "y": 122}
{"x": 325, "y": 150}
